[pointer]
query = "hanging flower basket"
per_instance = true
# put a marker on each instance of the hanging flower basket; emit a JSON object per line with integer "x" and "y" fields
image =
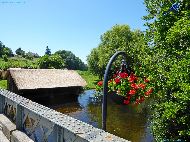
{"x": 118, "y": 99}
{"x": 128, "y": 88}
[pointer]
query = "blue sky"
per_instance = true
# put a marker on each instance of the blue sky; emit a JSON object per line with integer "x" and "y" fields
{"x": 74, "y": 25}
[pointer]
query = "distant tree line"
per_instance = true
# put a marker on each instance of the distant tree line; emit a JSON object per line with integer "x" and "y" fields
{"x": 28, "y": 55}
{"x": 71, "y": 61}
{"x": 59, "y": 60}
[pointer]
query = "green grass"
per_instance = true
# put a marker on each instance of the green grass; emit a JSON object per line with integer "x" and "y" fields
{"x": 90, "y": 79}
{"x": 3, "y": 84}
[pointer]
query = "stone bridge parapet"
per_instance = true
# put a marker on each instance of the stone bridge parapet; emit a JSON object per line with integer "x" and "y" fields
{"x": 43, "y": 124}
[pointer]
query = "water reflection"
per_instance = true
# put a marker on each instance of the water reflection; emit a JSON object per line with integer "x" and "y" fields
{"x": 124, "y": 121}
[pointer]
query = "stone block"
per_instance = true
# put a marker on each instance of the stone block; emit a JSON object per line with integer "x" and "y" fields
{"x": 3, "y": 138}
{"x": 7, "y": 126}
{"x": 18, "y": 136}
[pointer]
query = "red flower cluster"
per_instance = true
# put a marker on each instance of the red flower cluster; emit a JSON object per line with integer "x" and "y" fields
{"x": 147, "y": 93}
{"x": 123, "y": 75}
{"x": 132, "y": 78}
{"x": 142, "y": 86}
{"x": 100, "y": 83}
{"x": 126, "y": 101}
{"x": 117, "y": 80}
{"x": 132, "y": 92}
{"x": 146, "y": 80}
{"x": 134, "y": 86}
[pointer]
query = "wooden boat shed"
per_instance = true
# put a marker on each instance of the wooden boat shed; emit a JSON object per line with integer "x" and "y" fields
{"x": 37, "y": 83}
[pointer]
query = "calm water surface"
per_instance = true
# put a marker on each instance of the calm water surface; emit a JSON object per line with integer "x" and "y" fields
{"x": 128, "y": 122}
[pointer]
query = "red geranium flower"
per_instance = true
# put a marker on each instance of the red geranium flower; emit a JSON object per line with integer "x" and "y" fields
{"x": 137, "y": 101}
{"x": 117, "y": 80}
{"x": 129, "y": 97}
{"x": 141, "y": 99}
{"x": 132, "y": 92}
{"x": 114, "y": 76}
{"x": 100, "y": 83}
{"x": 123, "y": 75}
{"x": 147, "y": 93}
{"x": 142, "y": 86}
{"x": 134, "y": 86}
{"x": 126, "y": 102}
{"x": 132, "y": 77}
{"x": 146, "y": 80}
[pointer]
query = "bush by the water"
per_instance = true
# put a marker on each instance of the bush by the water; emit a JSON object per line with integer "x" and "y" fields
{"x": 169, "y": 64}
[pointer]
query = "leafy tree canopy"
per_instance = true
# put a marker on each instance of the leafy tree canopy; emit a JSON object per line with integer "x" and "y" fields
{"x": 20, "y": 52}
{"x": 168, "y": 35}
{"x": 118, "y": 38}
{"x": 31, "y": 55}
{"x": 71, "y": 61}
{"x": 51, "y": 62}
{"x": 5, "y": 51}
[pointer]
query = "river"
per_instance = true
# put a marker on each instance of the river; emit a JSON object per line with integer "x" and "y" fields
{"x": 128, "y": 122}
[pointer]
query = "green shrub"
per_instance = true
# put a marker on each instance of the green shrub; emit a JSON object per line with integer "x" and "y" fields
{"x": 51, "y": 62}
{"x": 17, "y": 63}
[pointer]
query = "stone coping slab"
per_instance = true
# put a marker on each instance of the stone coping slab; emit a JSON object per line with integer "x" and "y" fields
{"x": 18, "y": 136}
{"x": 7, "y": 126}
{"x": 3, "y": 138}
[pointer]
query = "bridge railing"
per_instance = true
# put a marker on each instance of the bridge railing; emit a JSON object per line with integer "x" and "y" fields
{"x": 43, "y": 124}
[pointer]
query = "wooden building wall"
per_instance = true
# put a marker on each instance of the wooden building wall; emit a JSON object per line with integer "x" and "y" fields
{"x": 11, "y": 85}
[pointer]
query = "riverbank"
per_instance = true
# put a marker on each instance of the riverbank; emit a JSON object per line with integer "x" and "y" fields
{"x": 3, "y": 84}
{"x": 90, "y": 79}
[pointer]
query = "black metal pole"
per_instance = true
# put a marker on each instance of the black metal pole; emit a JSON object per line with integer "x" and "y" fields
{"x": 105, "y": 87}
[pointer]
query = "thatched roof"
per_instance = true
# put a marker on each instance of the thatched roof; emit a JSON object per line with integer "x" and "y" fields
{"x": 45, "y": 78}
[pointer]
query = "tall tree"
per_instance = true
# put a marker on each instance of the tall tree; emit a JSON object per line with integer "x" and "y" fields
{"x": 93, "y": 63}
{"x": 71, "y": 61}
{"x": 1, "y": 48}
{"x": 20, "y": 52}
{"x": 48, "y": 51}
{"x": 168, "y": 35}
{"x": 118, "y": 38}
{"x": 8, "y": 52}
{"x": 5, "y": 51}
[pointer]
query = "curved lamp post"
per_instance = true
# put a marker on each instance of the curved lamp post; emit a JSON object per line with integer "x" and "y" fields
{"x": 105, "y": 86}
